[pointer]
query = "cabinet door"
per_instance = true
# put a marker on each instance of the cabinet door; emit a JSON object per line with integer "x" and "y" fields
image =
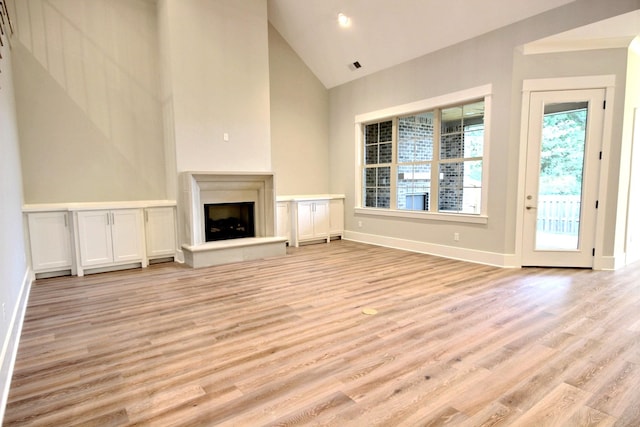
{"x": 283, "y": 228}
{"x": 305, "y": 220}
{"x": 94, "y": 238}
{"x": 50, "y": 241}
{"x": 321, "y": 218}
{"x": 336, "y": 209}
{"x": 126, "y": 231}
{"x": 160, "y": 231}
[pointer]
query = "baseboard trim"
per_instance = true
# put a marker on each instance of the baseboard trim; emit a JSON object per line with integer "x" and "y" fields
{"x": 631, "y": 257}
{"x": 451, "y": 252}
{"x": 609, "y": 262}
{"x": 10, "y": 344}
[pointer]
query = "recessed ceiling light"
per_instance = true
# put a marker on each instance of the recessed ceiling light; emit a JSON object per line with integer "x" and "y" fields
{"x": 344, "y": 20}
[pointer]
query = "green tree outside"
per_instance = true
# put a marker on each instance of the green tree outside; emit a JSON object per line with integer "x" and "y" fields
{"x": 562, "y": 152}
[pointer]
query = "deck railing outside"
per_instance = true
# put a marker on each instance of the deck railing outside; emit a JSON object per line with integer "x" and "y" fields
{"x": 559, "y": 214}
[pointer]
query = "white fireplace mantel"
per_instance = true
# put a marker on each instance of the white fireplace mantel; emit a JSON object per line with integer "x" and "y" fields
{"x": 200, "y": 188}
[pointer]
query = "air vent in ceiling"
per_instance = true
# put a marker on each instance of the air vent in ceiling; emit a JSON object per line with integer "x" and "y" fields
{"x": 355, "y": 65}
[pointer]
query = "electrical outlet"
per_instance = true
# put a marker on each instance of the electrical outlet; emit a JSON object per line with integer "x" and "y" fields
{"x": 456, "y": 237}
{"x": 359, "y": 224}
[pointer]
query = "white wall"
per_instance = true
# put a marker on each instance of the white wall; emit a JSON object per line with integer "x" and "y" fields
{"x": 13, "y": 262}
{"x": 90, "y": 123}
{"x": 299, "y": 122}
{"x": 218, "y": 81}
{"x": 631, "y": 134}
{"x": 488, "y": 59}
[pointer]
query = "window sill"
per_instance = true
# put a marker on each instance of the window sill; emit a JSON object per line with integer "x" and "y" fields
{"x": 431, "y": 216}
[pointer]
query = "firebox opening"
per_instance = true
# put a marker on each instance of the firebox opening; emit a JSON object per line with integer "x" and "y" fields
{"x": 224, "y": 221}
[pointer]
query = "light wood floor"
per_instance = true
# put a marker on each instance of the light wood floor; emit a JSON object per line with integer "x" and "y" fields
{"x": 284, "y": 342}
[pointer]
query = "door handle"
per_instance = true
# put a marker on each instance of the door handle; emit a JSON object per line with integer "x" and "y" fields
{"x": 529, "y": 207}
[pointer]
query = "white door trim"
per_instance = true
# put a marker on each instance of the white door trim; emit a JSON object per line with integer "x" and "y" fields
{"x": 606, "y": 82}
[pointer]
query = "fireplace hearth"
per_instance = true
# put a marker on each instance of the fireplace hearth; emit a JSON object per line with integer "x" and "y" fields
{"x": 225, "y": 221}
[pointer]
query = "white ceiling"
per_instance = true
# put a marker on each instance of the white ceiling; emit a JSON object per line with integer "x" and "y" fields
{"x": 381, "y": 36}
{"x": 614, "y": 32}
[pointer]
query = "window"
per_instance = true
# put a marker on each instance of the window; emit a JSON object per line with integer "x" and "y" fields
{"x": 415, "y": 158}
{"x": 429, "y": 161}
{"x": 378, "y": 154}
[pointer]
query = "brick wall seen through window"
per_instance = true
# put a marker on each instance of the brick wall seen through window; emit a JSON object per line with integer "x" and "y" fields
{"x": 430, "y": 161}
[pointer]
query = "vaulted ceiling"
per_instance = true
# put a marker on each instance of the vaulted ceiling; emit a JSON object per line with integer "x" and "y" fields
{"x": 383, "y": 33}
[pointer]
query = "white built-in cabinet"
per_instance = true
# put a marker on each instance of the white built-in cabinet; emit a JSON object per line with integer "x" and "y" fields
{"x": 160, "y": 231}
{"x": 73, "y": 237}
{"x": 283, "y": 220}
{"x": 50, "y": 241}
{"x": 110, "y": 237}
{"x": 310, "y": 218}
{"x": 336, "y": 217}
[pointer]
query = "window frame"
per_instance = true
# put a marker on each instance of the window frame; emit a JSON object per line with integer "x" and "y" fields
{"x": 393, "y": 113}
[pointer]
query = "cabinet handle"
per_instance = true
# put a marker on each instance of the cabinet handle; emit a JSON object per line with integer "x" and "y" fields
{"x": 146, "y": 216}
{"x": 66, "y": 221}
{"x": 113, "y": 218}
{"x": 108, "y": 219}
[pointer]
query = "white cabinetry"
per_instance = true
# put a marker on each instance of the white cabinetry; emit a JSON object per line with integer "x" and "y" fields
{"x": 110, "y": 237}
{"x": 312, "y": 217}
{"x": 99, "y": 236}
{"x": 336, "y": 217}
{"x": 312, "y": 220}
{"x": 160, "y": 232}
{"x": 283, "y": 218}
{"x": 50, "y": 241}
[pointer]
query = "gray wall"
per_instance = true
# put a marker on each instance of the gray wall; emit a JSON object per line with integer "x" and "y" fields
{"x": 86, "y": 81}
{"x": 488, "y": 59}
{"x": 13, "y": 260}
{"x": 299, "y": 122}
{"x": 216, "y": 78}
{"x": 584, "y": 63}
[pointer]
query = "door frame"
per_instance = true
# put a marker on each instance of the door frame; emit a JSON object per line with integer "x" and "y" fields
{"x": 606, "y": 82}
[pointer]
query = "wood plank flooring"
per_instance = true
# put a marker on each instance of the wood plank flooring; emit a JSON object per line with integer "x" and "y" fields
{"x": 284, "y": 342}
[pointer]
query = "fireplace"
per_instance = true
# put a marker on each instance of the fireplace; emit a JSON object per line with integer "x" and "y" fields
{"x": 205, "y": 188}
{"x": 223, "y": 206}
{"x": 223, "y": 221}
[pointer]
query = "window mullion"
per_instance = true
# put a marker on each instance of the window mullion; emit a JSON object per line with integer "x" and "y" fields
{"x": 393, "y": 203}
{"x": 435, "y": 163}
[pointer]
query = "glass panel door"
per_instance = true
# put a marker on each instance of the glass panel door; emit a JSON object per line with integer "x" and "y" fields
{"x": 562, "y": 149}
{"x": 564, "y": 138}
